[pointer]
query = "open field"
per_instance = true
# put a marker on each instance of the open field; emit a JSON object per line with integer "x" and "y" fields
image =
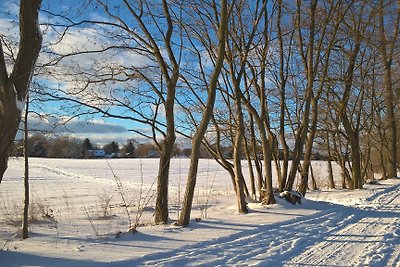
{"x": 81, "y": 216}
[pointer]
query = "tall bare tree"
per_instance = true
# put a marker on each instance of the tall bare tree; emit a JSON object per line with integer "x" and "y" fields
{"x": 307, "y": 52}
{"x": 145, "y": 91}
{"x": 14, "y": 87}
{"x": 388, "y": 34}
{"x": 207, "y": 114}
{"x": 329, "y": 22}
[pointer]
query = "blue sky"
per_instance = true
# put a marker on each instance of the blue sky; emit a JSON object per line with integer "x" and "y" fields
{"x": 86, "y": 37}
{"x": 98, "y": 128}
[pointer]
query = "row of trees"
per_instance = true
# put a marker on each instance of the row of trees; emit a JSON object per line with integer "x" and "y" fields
{"x": 51, "y": 146}
{"x": 277, "y": 75}
{"x": 39, "y": 145}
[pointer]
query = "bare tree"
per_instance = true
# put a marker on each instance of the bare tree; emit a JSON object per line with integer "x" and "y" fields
{"x": 330, "y": 21}
{"x": 14, "y": 87}
{"x": 145, "y": 90}
{"x": 207, "y": 114}
{"x": 387, "y": 42}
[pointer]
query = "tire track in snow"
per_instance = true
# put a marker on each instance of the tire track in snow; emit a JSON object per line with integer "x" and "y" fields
{"x": 338, "y": 236}
{"x": 266, "y": 245}
{"x": 371, "y": 241}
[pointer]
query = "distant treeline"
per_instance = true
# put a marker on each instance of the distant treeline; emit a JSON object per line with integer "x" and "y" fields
{"x": 40, "y": 145}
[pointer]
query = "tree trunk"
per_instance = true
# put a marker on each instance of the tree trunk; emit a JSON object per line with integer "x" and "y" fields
{"x": 167, "y": 149}
{"x": 257, "y": 163}
{"x": 314, "y": 182}
{"x": 329, "y": 162}
{"x": 237, "y": 157}
{"x": 161, "y": 212}
{"x": 25, "y": 220}
{"x": 308, "y": 154}
{"x": 341, "y": 160}
{"x": 356, "y": 163}
{"x": 10, "y": 118}
{"x": 386, "y": 47}
{"x": 13, "y": 89}
{"x": 269, "y": 191}
{"x": 389, "y": 97}
{"x": 251, "y": 171}
{"x": 383, "y": 165}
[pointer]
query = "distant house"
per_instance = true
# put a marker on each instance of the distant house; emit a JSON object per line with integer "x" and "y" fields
{"x": 96, "y": 153}
{"x": 153, "y": 154}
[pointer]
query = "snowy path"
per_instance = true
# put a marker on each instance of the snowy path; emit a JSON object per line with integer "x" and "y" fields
{"x": 366, "y": 235}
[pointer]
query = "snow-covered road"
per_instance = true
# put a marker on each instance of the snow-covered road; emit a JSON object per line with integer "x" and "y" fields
{"x": 365, "y": 235}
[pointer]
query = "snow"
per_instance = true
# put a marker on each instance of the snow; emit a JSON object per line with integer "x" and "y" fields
{"x": 330, "y": 228}
{"x": 20, "y": 105}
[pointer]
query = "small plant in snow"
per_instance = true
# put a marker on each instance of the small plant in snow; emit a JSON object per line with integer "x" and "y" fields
{"x": 143, "y": 200}
{"x": 204, "y": 196}
{"x": 121, "y": 192}
{"x": 105, "y": 206}
{"x": 39, "y": 210}
{"x": 141, "y": 203}
{"x": 91, "y": 222}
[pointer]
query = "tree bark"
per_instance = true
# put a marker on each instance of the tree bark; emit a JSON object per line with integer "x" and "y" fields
{"x": 14, "y": 89}
{"x": 237, "y": 157}
{"x": 307, "y": 157}
{"x": 329, "y": 162}
{"x": 161, "y": 210}
{"x": 251, "y": 171}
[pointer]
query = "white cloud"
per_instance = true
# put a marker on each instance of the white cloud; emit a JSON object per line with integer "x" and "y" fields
{"x": 99, "y": 131}
{"x": 72, "y": 126}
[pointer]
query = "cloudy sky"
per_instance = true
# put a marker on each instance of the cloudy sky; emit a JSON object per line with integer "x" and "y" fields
{"x": 99, "y": 129}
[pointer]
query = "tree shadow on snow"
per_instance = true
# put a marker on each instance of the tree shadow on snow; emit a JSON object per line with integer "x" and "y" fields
{"x": 15, "y": 258}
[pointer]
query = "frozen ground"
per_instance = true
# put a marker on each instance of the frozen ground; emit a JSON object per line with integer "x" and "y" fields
{"x": 330, "y": 228}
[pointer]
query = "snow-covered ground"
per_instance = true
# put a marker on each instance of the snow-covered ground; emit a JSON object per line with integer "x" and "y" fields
{"x": 75, "y": 226}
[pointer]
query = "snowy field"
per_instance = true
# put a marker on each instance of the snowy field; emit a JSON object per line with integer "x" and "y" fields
{"x": 81, "y": 210}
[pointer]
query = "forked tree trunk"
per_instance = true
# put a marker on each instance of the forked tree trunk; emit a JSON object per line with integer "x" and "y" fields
{"x": 14, "y": 88}
{"x": 268, "y": 194}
